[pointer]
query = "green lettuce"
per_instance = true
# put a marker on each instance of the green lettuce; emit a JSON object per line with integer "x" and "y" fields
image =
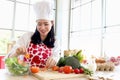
{"x": 15, "y": 68}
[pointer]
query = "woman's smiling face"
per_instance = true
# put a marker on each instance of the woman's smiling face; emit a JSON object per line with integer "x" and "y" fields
{"x": 44, "y": 27}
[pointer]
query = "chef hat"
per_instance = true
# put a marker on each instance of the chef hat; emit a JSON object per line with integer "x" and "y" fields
{"x": 43, "y": 10}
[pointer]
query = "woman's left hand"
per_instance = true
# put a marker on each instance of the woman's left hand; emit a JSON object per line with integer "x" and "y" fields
{"x": 50, "y": 62}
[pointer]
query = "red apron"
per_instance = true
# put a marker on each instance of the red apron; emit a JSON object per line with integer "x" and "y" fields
{"x": 39, "y": 53}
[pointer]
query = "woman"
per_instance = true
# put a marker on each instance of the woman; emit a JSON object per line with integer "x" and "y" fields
{"x": 41, "y": 45}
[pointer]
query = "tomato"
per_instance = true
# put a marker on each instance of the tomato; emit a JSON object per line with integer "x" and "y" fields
{"x": 81, "y": 70}
{"x": 72, "y": 70}
{"x": 67, "y": 69}
{"x": 60, "y": 69}
{"x": 55, "y": 68}
{"x": 76, "y": 71}
{"x": 34, "y": 69}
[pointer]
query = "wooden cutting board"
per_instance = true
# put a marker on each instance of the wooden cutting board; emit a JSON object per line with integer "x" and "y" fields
{"x": 54, "y": 75}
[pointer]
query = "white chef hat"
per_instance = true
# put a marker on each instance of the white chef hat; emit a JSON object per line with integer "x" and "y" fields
{"x": 43, "y": 10}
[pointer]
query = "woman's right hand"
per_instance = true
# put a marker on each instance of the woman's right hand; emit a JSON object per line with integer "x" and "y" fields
{"x": 21, "y": 50}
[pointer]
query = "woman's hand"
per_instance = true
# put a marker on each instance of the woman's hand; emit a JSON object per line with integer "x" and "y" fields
{"x": 50, "y": 62}
{"x": 21, "y": 50}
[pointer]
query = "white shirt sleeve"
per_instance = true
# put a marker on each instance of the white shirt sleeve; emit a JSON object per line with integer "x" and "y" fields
{"x": 22, "y": 41}
{"x": 56, "y": 51}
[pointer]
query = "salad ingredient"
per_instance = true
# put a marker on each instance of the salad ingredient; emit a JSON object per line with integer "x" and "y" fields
{"x": 76, "y": 71}
{"x": 70, "y": 60}
{"x": 55, "y": 68}
{"x": 67, "y": 69}
{"x": 61, "y": 62}
{"x": 79, "y": 55}
{"x": 16, "y": 67}
{"x": 34, "y": 69}
{"x": 81, "y": 70}
{"x": 27, "y": 55}
{"x": 87, "y": 71}
{"x": 60, "y": 69}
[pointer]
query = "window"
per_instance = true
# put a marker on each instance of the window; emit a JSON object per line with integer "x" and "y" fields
{"x": 112, "y": 28}
{"x": 6, "y": 13}
{"x": 21, "y": 23}
{"x": 25, "y": 1}
{"x": 4, "y": 40}
{"x": 86, "y": 26}
{"x": 95, "y": 27}
{"x": 17, "y": 17}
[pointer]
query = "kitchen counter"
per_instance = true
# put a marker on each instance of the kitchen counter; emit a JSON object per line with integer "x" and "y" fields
{"x": 98, "y": 75}
{"x": 108, "y": 75}
{"x": 4, "y": 74}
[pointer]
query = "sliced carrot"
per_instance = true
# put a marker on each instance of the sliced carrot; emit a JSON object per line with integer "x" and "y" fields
{"x": 27, "y": 55}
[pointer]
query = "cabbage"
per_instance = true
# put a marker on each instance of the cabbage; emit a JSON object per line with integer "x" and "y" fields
{"x": 15, "y": 68}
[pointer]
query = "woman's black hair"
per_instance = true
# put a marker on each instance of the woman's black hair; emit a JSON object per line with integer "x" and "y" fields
{"x": 49, "y": 41}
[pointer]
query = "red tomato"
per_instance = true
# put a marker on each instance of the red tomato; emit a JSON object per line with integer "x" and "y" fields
{"x": 60, "y": 69}
{"x": 76, "y": 71}
{"x": 72, "y": 70}
{"x": 34, "y": 69}
{"x": 81, "y": 70}
{"x": 67, "y": 69}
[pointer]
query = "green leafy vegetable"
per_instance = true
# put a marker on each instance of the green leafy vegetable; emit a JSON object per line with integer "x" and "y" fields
{"x": 15, "y": 68}
{"x": 70, "y": 60}
{"x": 79, "y": 55}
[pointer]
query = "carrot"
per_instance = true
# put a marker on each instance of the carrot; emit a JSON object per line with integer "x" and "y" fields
{"x": 27, "y": 55}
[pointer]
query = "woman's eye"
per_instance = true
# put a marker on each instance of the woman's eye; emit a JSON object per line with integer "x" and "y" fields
{"x": 46, "y": 24}
{"x": 39, "y": 24}
{"x": 42, "y": 24}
